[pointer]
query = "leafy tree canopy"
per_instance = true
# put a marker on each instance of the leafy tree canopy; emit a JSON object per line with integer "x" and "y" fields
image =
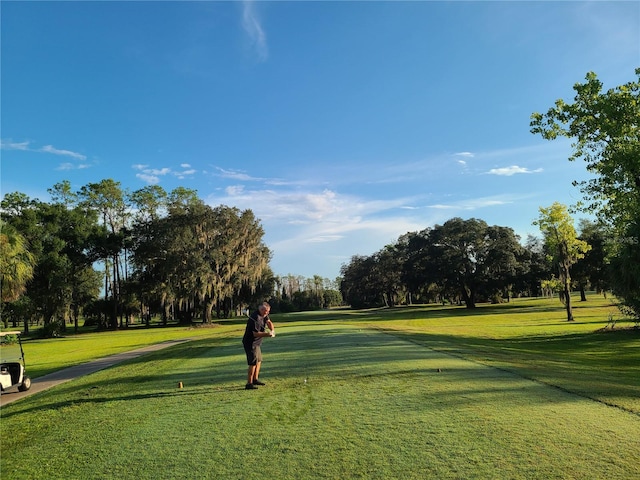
{"x": 606, "y": 130}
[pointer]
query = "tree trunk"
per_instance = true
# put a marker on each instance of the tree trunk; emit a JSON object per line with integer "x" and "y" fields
{"x": 117, "y": 307}
{"x": 568, "y": 305}
{"x": 583, "y": 296}
{"x": 208, "y": 308}
{"x": 76, "y": 314}
{"x": 392, "y": 299}
{"x": 567, "y": 293}
{"x": 468, "y": 297}
{"x": 165, "y": 313}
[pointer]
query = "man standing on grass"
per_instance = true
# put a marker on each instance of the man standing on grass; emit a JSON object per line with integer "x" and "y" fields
{"x": 254, "y": 333}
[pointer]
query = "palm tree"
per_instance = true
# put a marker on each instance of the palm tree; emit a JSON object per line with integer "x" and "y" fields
{"x": 16, "y": 263}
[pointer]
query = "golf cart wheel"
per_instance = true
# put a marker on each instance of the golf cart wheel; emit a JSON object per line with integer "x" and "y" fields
{"x": 25, "y": 385}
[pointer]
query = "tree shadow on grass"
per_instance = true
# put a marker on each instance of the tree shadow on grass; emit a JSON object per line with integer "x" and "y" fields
{"x": 426, "y": 311}
{"x": 592, "y": 365}
{"x": 341, "y": 354}
{"x": 541, "y": 344}
{"x": 84, "y": 398}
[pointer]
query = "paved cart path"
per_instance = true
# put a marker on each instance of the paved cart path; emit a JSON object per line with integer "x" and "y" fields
{"x": 56, "y": 378}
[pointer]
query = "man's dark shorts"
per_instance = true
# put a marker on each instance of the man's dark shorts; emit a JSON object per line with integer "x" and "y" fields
{"x": 254, "y": 354}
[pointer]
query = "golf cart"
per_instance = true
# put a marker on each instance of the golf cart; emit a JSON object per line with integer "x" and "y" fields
{"x": 12, "y": 371}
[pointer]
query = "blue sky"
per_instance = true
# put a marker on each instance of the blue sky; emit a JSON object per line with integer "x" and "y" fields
{"x": 342, "y": 125}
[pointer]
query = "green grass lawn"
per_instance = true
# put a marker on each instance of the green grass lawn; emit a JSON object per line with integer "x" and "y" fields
{"x": 44, "y": 356}
{"x": 415, "y": 392}
{"x": 533, "y": 339}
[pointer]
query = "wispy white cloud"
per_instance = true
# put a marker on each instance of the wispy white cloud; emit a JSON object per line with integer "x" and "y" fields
{"x": 26, "y": 146}
{"x": 150, "y": 179}
{"x": 286, "y": 205}
{"x": 360, "y": 235}
{"x": 157, "y": 171}
{"x": 152, "y": 175}
{"x": 73, "y": 166}
{"x": 326, "y": 219}
{"x": 236, "y": 175}
{"x": 440, "y": 206}
{"x": 512, "y": 170}
{"x": 234, "y": 190}
{"x": 272, "y": 182}
{"x": 68, "y": 153}
{"x": 253, "y": 28}
{"x": 9, "y": 145}
{"x": 464, "y": 154}
{"x": 472, "y": 204}
{"x": 66, "y": 166}
{"x": 306, "y": 207}
{"x": 535, "y": 150}
{"x": 325, "y": 238}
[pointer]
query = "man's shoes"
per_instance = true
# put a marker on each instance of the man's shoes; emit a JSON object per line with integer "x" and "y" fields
{"x": 258, "y": 382}
{"x": 250, "y": 386}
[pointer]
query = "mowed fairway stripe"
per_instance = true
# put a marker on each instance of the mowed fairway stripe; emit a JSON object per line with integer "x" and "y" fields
{"x": 413, "y": 411}
{"x": 340, "y": 402}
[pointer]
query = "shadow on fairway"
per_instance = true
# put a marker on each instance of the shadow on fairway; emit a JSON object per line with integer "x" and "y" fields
{"x": 217, "y": 366}
{"x": 84, "y": 398}
{"x": 425, "y": 311}
{"x": 601, "y": 367}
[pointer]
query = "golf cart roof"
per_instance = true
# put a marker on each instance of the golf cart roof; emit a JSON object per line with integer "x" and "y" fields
{"x": 15, "y": 332}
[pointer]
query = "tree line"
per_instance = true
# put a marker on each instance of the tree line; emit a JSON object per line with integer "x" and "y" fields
{"x": 466, "y": 262}
{"x": 109, "y": 255}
